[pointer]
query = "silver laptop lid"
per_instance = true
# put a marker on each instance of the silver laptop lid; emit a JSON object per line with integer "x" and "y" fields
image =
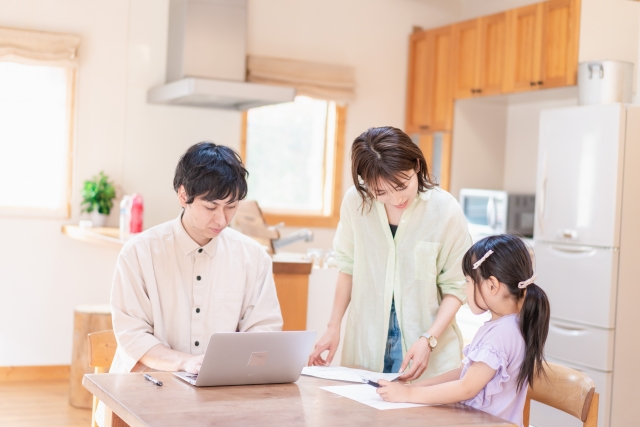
{"x": 239, "y": 358}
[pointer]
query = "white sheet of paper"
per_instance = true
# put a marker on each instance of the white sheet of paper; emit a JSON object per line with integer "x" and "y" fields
{"x": 366, "y": 394}
{"x": 340, "y": 373}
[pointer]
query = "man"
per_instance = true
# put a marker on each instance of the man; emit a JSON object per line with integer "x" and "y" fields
{"x": 179, "y": 282}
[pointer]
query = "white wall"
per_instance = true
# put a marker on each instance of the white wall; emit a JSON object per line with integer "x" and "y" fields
{"x": 477, "y": 159}
{"x": 43, "y": 274}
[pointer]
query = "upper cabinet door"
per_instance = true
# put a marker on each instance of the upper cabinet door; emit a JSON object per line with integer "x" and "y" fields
{"x": 466, "y": 59}
{"x": 439, "y": 94}
{"x": 493, "y": 38}
{"x": 560, "y": 43}
{"x": 417, "y": 112}
{"x": 524, "y": 45}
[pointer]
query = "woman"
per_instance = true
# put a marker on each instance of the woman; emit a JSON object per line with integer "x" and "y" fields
{"x": 399, "y": 247}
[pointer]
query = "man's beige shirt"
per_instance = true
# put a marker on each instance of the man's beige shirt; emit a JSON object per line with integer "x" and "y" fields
{"x": 416, "y": 269}
{"x": 168, "y": 290}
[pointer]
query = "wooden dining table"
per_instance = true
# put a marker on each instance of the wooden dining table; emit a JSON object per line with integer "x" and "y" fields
{"x": 134, "y": 401}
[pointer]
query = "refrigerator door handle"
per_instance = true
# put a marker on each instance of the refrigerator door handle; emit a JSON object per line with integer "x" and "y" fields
{"x": 543, "y": 195}
{"x": 574, "y": 250}
{"x": 571, "y": 331}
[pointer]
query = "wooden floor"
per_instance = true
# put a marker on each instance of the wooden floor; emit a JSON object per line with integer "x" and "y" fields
{"x": 40, "y": 403}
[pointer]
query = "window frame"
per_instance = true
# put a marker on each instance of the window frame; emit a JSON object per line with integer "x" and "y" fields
{"x": 65, "y": 211}
{"x": 311, "y": 220}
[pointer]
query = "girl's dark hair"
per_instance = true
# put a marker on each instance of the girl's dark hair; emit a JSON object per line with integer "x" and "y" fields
{"x": 511, "y": 264}
{"x": 384, "y": 153}
{"x": 212, "y": 171}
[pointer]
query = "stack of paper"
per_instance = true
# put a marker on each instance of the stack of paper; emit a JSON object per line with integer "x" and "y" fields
{"x": 340, "y": 373}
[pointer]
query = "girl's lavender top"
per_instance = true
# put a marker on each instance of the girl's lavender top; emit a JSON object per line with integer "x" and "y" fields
{"x": 500, "y": 345}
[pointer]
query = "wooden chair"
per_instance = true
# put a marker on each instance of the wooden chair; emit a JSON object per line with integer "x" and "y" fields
{"x": 102, "y": 349}
{"x": 565, "y": 389}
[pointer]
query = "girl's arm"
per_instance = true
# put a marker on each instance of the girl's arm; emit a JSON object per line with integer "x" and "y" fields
{"x": 331, "y": 338}
{"x": 452, "y": 375}
{"x": 477, "y": 376}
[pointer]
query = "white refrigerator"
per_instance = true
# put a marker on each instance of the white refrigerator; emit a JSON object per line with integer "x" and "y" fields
{"x": 587, "y": 249}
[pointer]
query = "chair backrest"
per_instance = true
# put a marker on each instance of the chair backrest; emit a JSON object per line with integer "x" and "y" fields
{"x": 565, "y": 389}
{"x": 102, "y": 349}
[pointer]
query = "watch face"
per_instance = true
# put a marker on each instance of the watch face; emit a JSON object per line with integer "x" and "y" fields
{"x": 433, "y": 342}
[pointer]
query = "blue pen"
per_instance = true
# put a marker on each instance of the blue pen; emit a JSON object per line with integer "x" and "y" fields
{"x": 373, "y": 383}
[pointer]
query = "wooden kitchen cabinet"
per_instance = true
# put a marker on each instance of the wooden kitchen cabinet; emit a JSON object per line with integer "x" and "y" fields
{"x": 524, "y": 45}
{"x": 493, "y": 45}
{"x": 466, "y": 59}
{"x": 429, "y": 98}
{"x": 479, "y": 49}
{"x": 561, "y": 31}
{"x": 439, "y": 97}
{"x": 542, "y": 49}
{"x": 417, "y": 115}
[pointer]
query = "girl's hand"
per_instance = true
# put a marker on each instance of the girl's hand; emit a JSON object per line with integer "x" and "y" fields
{"x": 329, "y": 341}
{"x": 393, "y": 392}
{"x": 419, "y": 353}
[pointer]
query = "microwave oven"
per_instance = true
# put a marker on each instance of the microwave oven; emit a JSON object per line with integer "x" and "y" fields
{"x": 491, "y": 212}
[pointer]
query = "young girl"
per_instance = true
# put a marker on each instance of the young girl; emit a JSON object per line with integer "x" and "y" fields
{"x": 399, "y": 248}
{"x": 507, "y": 350}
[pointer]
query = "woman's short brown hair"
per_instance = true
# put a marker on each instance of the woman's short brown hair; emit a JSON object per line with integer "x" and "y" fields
{"x": 384, "y": 154}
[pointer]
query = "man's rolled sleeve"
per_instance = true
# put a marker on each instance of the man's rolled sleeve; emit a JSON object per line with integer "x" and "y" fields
{"x": 131, "y": 312}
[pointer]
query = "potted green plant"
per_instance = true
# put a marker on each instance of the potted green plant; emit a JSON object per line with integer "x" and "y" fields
{"x": 97, "y": 198}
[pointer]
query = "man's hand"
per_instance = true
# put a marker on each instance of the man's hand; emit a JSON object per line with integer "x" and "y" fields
{"x": 329, "y": 341}
{"x": 393, "y": 392}
{"x": 419, "y": 353}
{"x": 191, "y": 364}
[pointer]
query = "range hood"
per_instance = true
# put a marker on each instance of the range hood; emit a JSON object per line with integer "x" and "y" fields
{"x": 206, "y": 59}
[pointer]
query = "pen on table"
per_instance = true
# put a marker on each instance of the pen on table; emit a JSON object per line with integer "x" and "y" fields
{"x": 153, "y": 380}
{"x": 375, "y": 384}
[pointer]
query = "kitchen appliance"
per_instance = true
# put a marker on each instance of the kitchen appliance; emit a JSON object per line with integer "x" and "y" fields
{"x": 206, "y": 59}
{"x": 605, "y": 82}
{"x": 587, "y": 251}
{"x": 491, "y": 212}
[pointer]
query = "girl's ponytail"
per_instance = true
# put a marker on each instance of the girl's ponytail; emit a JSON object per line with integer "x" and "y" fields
{"x": 534, "y": 326}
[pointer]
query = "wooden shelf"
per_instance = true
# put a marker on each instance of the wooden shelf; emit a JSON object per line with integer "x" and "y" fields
{"x": 109, "y": 237}
{"x": 101, "y": 236}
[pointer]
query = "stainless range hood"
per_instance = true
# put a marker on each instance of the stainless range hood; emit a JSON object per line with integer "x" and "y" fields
{"x": 206, "y": 59}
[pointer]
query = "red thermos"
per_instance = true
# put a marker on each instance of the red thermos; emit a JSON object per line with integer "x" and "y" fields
{"x": 137, "y": 211}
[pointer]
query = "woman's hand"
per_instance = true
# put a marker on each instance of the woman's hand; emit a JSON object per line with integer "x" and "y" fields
{"x": 419, "y": 353}
{"x": 393, "y": 392}
{"x": 329, "y": 341}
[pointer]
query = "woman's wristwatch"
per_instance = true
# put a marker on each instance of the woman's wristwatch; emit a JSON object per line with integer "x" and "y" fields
{"x": 431, "y": 340}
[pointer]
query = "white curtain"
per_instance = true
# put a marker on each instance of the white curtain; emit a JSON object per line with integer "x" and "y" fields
{"x": 317, "y": 80}
{"x": 38, "y": 47}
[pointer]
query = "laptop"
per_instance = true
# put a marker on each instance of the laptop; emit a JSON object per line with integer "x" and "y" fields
{"x": 242, "y": 358}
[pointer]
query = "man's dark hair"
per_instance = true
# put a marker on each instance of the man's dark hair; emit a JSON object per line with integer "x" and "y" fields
{"x": 210, "y": 171}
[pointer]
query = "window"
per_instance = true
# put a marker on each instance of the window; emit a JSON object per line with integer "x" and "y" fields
{"x": 34, "y": 139}
{"x": 37, "y": 72}
{"x": 293, "y": 152}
